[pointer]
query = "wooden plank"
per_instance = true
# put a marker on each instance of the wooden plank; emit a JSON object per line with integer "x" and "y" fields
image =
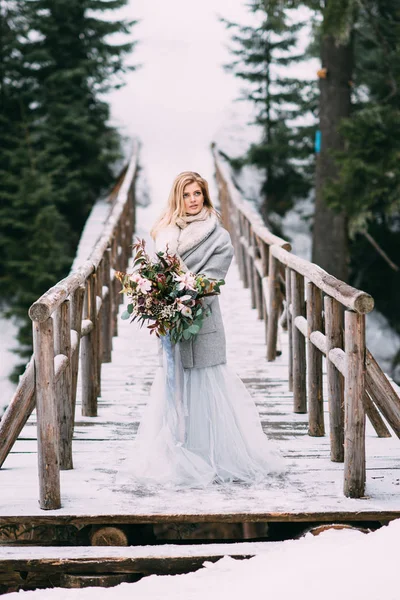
{"x": 354, "y": 429}
{"x": 47, "y": 421}
{"x": 326, "y": 516}
{"x": 314, "y": 363}
{"x": 290, "y": 325}
{"x": 88, "y": 354}
{"x": 65, "y": 409}
{"x": 382, "y": 393}
{"x": 274, "y": 306}
{"x": 299, "y": 345}
{"x": 161, "y": 559}
{"x": 18, "y": 411}
{"x": 334, "y": 339}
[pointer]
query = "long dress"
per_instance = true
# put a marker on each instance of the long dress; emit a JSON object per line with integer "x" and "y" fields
{"x": 200, "y": 427}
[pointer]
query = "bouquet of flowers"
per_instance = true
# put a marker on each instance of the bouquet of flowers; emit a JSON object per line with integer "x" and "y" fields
{"x": 164, "y": 295}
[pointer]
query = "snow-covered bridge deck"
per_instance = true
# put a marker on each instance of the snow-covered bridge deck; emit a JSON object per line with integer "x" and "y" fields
{"x": 312, "y": 489}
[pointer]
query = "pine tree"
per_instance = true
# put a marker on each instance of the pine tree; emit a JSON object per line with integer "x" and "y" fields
{"x": 369, "y": 171}
{"x": 284, "y": 152}
{"x": 75, "y": 65}
{"x": 57, "y": 152}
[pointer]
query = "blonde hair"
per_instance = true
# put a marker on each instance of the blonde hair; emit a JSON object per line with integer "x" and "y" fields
{"x": 176, "y": 204}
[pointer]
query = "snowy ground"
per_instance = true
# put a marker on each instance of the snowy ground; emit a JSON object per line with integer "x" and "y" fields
{"x": 336, "y": 564}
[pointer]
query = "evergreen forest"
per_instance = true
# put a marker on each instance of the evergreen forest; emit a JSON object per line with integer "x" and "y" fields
{"x": 58, "y": 152}
{"x": 334, "y": 137}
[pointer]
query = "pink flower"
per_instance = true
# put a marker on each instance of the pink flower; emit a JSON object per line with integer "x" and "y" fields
{"x": 186, "y": 281}
{"x": 143, "y": 284}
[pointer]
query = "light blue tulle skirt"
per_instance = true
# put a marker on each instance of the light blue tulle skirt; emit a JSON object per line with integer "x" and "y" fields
{"x": 200, "y": 426}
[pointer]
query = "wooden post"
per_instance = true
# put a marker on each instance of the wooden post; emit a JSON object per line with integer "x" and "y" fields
{"x": 299, "y": 345}
{"x": 257, "y": 279}
{"x": 289, "y": 324}
{"x": 116, "y": 285}
{"x": 242, "y": 235}
{"x": 236, "y": 238}
{"x": 354, "y": 429}
{"x": 335, "y": 383}
{"x": 249, "y": 259}
{"x": 264, "y": 251}
{"x": 274, "y": 303}
{"x": 88, "y": 354}
{"x": 314, "y": 363}
{"x": 76, "y": 325}
{"x": 107, "y": 317}
{"x": 65, "y": 413}
{"x": 47, "y": 426}
{"x": 99, "y": 350}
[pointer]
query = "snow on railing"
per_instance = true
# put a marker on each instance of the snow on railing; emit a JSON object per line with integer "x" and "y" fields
{"x": 78, "y": 316}
{"x": 330, "y": 316}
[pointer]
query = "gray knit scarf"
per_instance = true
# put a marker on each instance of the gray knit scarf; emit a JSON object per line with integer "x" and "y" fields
{"x": 184, "y": 221}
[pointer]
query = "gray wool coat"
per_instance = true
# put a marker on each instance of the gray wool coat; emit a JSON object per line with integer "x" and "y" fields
{"x": 204, "y": 247}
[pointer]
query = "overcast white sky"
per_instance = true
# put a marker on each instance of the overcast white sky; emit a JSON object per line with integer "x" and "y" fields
{"x": 181, "y": 99}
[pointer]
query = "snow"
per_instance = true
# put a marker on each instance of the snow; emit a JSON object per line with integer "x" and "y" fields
{"x": 336, "y": 564}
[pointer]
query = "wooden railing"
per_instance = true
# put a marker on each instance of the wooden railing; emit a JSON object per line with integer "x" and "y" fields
{"x": 324, "y": 317}
{"x": 78, "y": 316}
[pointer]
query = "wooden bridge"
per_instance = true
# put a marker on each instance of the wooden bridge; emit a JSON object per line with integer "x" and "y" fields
{"x": 66, "y": 436}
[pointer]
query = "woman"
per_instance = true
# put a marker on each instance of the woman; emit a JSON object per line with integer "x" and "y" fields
{"x": 201, "y": 424}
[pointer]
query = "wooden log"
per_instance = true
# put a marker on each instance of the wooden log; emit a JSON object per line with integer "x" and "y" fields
{"x": 338, "y": 358}
{"x": 62, "y": 345}
{"x": 76, "y": 325}
{"x": 99, "y": 308}
{"x": 264, "y": 251}
{"x": 257, "y": 264}
{"x": 243, "y": 246}
{"x": 274, "y": 305}
{"x": 108, "y": 536}
{"x": 354, "y": 428}
{"x": 248, "y": 235}
{"x": 375, "y": 418}
{"x": 265, "y": 292}
{"x": 237, "y": 244}
{"x": 382, "y": 393}
{"x": 299, "y": 345}
{"x": 18, "y": 411}
{"x": 345, "y": 294}
{"x": 47, "y": 421}
{"x": 290, "y": 325}
{"x": 316, "y": 426}
{"x": 44, "y": 307}
{"x": 106, "y": 322}
{"x": 335, "y": 382}
{"x": 88, "y": 354}
{"x": 116, "y": 285}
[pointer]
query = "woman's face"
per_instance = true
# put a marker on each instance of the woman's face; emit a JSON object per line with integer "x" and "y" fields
{"x": 193, "y": 198}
